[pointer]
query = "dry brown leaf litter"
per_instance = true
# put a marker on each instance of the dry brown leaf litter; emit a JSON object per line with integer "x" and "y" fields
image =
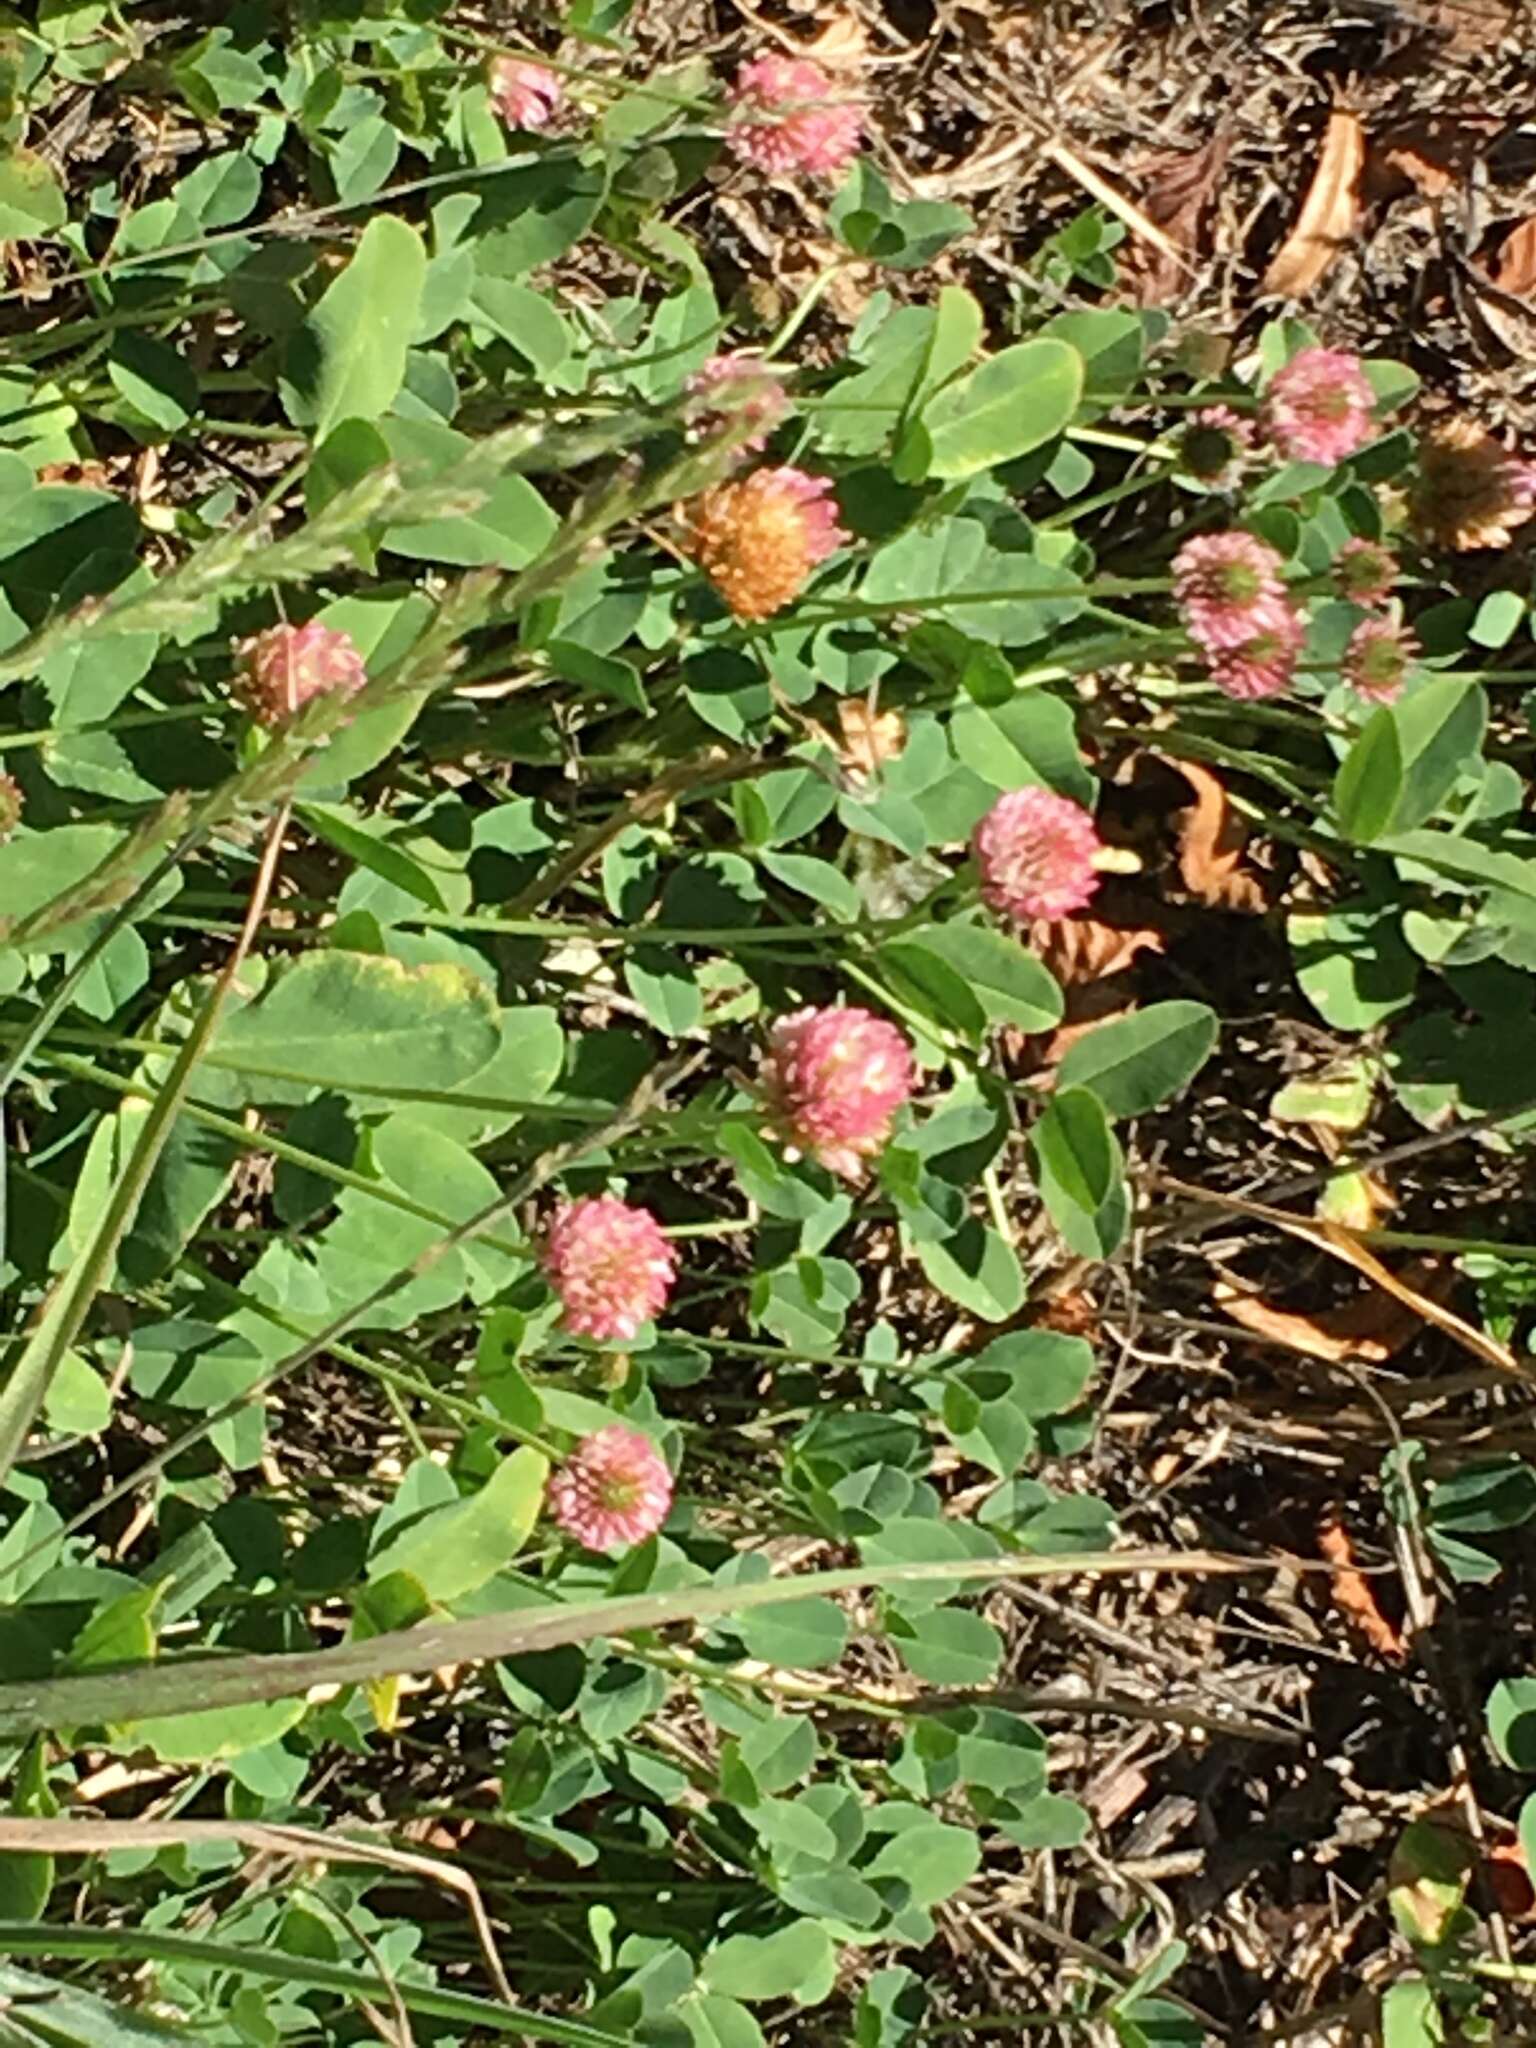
{"x": 1329, "y": 214}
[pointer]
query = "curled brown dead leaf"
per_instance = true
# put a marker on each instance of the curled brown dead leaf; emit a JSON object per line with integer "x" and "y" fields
{"x": 1070, "y": 1313}
{"x": 844, "y": 41}
{"x": 1329, "y": 214}
{"x": 1427, "y": 153}
{"x": 1370, "y": 1328}
{"x": 1509, "y": 1880}
{"x": 1178, "y": 189}
{"x": 1353, "y": 1594}
{"x": 1212, "y": 838}
{"x": 1514, "y": 261}
{"x": 1501, "y": 324}
{"x": 1091, "y": 957}
{"x": 1084, "y": 949}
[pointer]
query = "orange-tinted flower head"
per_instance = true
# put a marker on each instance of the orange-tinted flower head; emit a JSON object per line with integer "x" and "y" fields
{"x": 758, "y": 540}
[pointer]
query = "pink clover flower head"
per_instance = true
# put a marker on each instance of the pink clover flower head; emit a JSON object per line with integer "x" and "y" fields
{"x": 789, "y": 117}
{"x": 524, "y": 94}
{"x": 610, "y": 1265}
{"x": 1035, "y": 851}
{"x": 834, "y": 1080}
{"x": 1319, "y": 407}
{"x": 1365, "y": 571}
{"x": 1262, "y": 665}
{"x": 1214, "y": 443}
{"x": 1377, "y": 659}
{"x": 1227, "y": 585}
{"x": 736, "y": 388}
{"x": 287, "y": 667}
{"x": 612, "y": 1491}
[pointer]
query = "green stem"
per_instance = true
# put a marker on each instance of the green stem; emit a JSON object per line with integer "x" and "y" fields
{"x": 1430, "y": 1241}
{"x": 831, "y": 611}
{"x": 597, "y": 930}
{"x": 66, "y": 1309}
{"x": 594, "y": 1112}
{"x": 111, "y": 1698}
{"x": 809, "y": 299}
{"x": 121, "y": 1944}
{"x": 1112, "y": 494}
{"x": 122, "y": 721}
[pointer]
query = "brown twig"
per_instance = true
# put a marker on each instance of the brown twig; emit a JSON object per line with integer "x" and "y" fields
{"x": 1205, "y": 1211}
{"x": 1344, "y": 1245}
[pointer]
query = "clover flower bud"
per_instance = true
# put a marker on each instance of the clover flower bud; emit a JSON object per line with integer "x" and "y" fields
{"x": 833, "y": 1080}
{"x": 524, "y": 94}
{"x": 1035, "y": 852}
{"x": 287, "y": 667}
{"x": 1320, "y": 407}
{"x": 610, "y": 1264}
{"x": 1364, "y": 571}
{"x": 613, "y": 1490}
{"x": 1227, "y": 586}
{"x": 1213, "y": 444}
{"x": 1264, "y": 664}
{"x": 1377, "y": 659}
{"x": 788, "y": 117}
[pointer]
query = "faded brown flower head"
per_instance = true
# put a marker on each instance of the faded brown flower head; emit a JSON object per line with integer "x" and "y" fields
{"x": 759, "y": 539}
{"x": 10, "y": 805}
{"x": 870, "y": 738}
{"x": 1470, "y": 491}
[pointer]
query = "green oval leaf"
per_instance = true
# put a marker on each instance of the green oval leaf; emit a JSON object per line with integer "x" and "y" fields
{"x": 1370, "y": 779}
{"x": 978, "y": 1268}
{"x": 802, "y": 1634}
{"x": 217, "y": 1733}
{"x": 1012, "y": 986}
{"x": 933, "y": 1858}
{"x": 1081, "y": 1173}
{"x": 1512, "y": 1722}
{"x": 348, "y": 359}
{"x": 797, "y": 1961}
{"x": 343, "y": 1020}
{"x": 31, "y": 198}
{"x": 1408, "y": 758}
{"x": 921, "y": 978}
{"x": 1353, "y": 964}
{"x": 454, "y": 1550}
{"x": 1136, "y": 1062}
{"x": 1022, "y": 397}
{"x": 947, "y": 1646}
{"x": 1030, "y": 738}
